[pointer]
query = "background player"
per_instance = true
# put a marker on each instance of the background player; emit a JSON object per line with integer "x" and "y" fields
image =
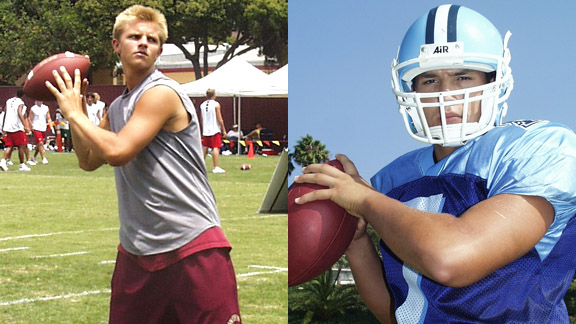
{"x": 40, "y": 119}
{"x": 15, "y": 127}
{"x": 479, "y": 226}
{"x": 212, "y": 128}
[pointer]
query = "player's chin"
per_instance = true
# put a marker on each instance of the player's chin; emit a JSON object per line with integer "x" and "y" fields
{"x": 140, "y": 64}
{"x": 141, "y": 59}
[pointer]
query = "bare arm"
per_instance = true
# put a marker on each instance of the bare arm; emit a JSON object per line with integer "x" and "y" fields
{"x": 252, "y": 134}
{"x": 88, "y": 158}
{"x": 48, "y": 119}
{"x": 23, "y": 119}
{"x": 158, "y": 108}
{"x": 460, "y": 251}
{"x": 30, "y": 118}
{"x": 454, "y": 251}
{"x": 369, "y": 276}
{"x": 220, "y": 120}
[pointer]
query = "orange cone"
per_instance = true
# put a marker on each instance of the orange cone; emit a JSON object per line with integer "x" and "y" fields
{"x": 59, "y": 141}
{"x": 250, "y": 150}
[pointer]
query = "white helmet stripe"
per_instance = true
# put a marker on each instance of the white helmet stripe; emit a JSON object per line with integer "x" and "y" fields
{"x": 441, "y": 25}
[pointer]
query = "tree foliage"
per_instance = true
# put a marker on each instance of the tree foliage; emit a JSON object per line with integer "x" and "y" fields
{"x": 259, "y": 24}
{"x": 308, "y": 151}
{"x": 31, "y": 30}
{"x": 326, "y": 299}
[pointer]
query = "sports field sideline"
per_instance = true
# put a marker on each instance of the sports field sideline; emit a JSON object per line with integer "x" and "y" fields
{"x": 59, "y": 233}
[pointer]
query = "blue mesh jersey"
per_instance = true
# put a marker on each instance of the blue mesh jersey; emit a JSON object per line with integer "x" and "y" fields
{"x": 536, "y": 158}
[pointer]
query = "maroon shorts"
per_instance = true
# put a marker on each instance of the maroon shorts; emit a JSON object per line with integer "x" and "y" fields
{"x": 39, "y": 136}
{"x": 15, "y": 139}
{"x": 214, "y": 141}
{"x": 200, "y": 288}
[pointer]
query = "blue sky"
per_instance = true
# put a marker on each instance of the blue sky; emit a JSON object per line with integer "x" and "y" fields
{"x": 340, "y": 56}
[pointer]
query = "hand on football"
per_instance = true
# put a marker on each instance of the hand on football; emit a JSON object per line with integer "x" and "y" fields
{"x": 70, "y": 93}
{"x": 347, "y": 189}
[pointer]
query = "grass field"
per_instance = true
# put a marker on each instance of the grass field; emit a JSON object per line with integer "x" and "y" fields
{"x": 59, "y": 233}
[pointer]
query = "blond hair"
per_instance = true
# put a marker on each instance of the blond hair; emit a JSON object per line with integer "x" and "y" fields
{"x": 138, "y": 12}
{"x": 210, "y": 93}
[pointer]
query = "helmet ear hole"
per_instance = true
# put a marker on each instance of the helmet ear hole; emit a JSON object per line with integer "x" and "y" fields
{"x": 490, "y": 77}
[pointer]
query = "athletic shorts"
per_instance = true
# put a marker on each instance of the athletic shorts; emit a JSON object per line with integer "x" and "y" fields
{"x": 66, "y": 133}
{"x": 199, "y": 289}
{"x": 214, "y": 141}
{"x": 39, "y": 136}
{"x": 13, "y": 139}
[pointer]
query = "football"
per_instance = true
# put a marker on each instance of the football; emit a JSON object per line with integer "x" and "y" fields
{"x": 245, "y": 167}
{"x": 35, "y": 87}
{"x": 319, "y": 233}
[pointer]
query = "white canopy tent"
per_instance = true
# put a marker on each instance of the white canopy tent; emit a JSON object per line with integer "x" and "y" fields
{"x": 276, "y": 85}
{"x": 280, "y": 78}
{"x": 231, "y": 79}
{"x": 238, "y": 78}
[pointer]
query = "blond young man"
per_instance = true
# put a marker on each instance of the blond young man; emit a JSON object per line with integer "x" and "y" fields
{"x": 173, "y": 264}
{"x": 212, "y": 128}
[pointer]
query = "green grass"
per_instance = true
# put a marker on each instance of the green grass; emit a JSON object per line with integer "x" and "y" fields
{"x": 59, "y": 233}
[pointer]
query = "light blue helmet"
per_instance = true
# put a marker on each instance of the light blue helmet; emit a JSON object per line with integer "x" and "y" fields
{"x": 452, "y": 37}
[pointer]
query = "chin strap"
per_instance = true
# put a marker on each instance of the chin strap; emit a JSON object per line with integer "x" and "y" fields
{"x": 452, "y": 137}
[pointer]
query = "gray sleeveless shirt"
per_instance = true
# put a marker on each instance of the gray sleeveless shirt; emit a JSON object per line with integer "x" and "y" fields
{"x": 164, "y": 198}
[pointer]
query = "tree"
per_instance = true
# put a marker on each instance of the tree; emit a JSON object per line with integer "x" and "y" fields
{"x": 308, "y": 151}
{"x": 257, "y": 23}
{"x": 30, "y": 30}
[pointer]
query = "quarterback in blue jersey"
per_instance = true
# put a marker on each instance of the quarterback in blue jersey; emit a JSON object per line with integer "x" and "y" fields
{"x": 479, "y": 227}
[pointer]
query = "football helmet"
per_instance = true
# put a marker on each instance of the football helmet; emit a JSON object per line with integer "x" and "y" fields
{"x": 452, "y": 37}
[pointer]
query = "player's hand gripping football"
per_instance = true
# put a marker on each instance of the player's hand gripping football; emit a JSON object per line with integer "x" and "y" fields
{"x": 347, "y": 189}
{"x": 70, "y": 93}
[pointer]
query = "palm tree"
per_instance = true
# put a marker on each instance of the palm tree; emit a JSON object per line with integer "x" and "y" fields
{"x": 308, "y": 151}
{"x": 326, "y": 298}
